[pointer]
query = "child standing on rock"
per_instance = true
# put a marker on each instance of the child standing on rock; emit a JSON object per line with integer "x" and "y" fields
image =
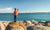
{"x": 15, "y": 14}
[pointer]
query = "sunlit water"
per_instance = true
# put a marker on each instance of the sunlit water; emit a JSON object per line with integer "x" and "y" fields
{"x": 25, "y": 16}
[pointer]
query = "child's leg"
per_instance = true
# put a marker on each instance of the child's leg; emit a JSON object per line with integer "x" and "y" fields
{"x": 14, "y": 18}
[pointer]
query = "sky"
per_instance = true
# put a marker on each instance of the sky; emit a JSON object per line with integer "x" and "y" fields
{"x": 24, "y": 6}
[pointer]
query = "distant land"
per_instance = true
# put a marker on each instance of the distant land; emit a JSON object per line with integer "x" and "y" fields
{"x": 31, "y": 12}
{"x": 34, "y": 12}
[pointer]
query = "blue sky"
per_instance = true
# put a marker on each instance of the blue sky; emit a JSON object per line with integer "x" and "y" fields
{"x": 7, "y": 6}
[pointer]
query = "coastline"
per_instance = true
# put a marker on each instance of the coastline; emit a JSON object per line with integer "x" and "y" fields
{"x": 30, "y": 24}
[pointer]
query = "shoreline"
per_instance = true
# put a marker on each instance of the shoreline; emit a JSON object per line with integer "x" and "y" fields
{"x": 29, "y": 24}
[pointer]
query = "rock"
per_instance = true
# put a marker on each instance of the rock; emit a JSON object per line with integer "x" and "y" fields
{"x": 42, "y": 23}
{"x": 34, "y": 22}
{"x": 16, "y": 26}
{"x": 5, "y": 23}
{"x": 28, "y": 23}
{"x": 25, "y": 24}
{"x": 48, "y": 24}
{"x": 25, "y": 21}
{"x": 2, "y": 27}
{"x": 22, "y": 25}
{"x": 39, "y": 27}
{"x": 30, "y": 28}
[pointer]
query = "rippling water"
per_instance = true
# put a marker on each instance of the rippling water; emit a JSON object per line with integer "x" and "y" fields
{"x": 25, "y": 16}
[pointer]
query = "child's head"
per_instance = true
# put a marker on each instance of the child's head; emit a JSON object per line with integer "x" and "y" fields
{"x": 15, "y": 9}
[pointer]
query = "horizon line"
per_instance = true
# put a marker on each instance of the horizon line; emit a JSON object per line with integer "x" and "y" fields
{"x": 28, "y": 12}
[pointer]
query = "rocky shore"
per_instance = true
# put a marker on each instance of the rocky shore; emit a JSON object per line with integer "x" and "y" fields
{"x": 30, "y": 25}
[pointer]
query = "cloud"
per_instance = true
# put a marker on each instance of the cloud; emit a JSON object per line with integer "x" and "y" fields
{"x": 34, "y": 11}
{"x": 6, "y": 10}
{"x": 10, "y": 10}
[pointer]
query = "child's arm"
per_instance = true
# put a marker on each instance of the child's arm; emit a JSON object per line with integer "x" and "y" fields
{"x": 17, "y": 9}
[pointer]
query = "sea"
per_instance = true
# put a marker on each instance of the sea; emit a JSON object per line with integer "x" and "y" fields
{"x": 25, "y": 16}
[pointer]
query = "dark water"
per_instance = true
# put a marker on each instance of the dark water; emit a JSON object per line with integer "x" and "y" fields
{"x": 25, "y": 16}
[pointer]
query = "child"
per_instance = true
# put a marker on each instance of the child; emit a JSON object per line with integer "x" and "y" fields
{"x": 15, "y": 14}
